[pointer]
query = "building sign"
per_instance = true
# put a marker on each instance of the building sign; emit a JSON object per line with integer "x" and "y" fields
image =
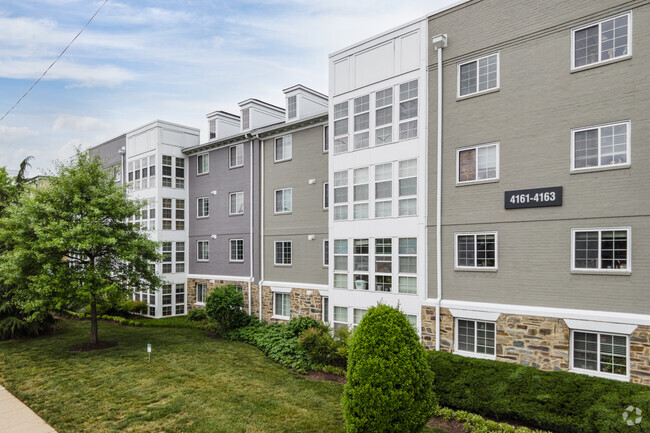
{"x": 538, "y": 197}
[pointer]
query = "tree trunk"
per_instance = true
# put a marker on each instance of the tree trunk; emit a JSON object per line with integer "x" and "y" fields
{"x": 93, "y": 322}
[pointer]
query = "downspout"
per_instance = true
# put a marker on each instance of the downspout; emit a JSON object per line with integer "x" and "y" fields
{"x": 261, "y": 282}
{"x": 439, "y": 42}
{"x": 250, "y": 235}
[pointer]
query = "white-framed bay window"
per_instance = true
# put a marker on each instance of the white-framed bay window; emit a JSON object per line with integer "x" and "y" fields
{"x": 602, "y": 250}
{"x": 477, "y": 163}
{"x": 408, "y": 267}
{"x": 601, "y": 146}
{"x": 476, "y": 251}
{"x": 408, "y": 188}
{"x": 384, "y": 190}
{"x": 360, "y": 193}
{"x": 341, "y": 263}
{"x": 341, "y": 127}
{"x": 341, "y": 195}
{"x": 601, "y": 42}
{"x": 384, "y": 116}
{"x": 408, "y": 110}
{"x": 361, "y": 122}
{"x": 478, "y": 75}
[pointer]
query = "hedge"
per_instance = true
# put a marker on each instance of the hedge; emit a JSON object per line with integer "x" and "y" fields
{"x": 559, "y": 401}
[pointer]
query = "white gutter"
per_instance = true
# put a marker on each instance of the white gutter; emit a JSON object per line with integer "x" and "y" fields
{"x": 439, "y": 42}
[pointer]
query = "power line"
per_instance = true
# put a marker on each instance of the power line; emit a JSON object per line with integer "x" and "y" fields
{"x": 54, "y": 62}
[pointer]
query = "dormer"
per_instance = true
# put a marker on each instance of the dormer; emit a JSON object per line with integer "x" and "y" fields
{"x": 303, "y": 102}
{"x": 222, "y": 124}
{"x": 257, "y": 114}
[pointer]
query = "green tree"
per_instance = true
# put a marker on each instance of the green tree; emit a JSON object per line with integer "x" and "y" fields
{"x": 73, "y": 244}
{"x": 389, "y": 383}
{"x": 225, "y": 307}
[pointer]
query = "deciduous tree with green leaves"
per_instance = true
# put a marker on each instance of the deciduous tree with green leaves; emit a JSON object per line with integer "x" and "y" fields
{"x": 73, "y": 243}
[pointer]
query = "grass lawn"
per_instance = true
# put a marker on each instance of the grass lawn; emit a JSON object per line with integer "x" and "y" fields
{"x": 193, "y": 384}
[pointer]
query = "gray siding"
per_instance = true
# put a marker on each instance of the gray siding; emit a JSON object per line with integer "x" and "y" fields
{"x": 224, "y": 180}
{"x": 307, "y": 216}
{"x": 531, "y": 116}
{"x": 109, "y": 152}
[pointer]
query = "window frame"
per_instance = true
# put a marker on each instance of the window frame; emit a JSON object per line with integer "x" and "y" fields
{"x": 204, "y": 294}
{"x": 326, "y": 196}
{"x": 283, "y": 192}
{"x": 284, "y": 145}
{"x": 238, "y": 148}
{"x": 326, "y": 253}
{"x": 600, "y": 166}
{"x": 625, "y": 271}
{"x": 326, "y": 138}
{"x": 476, "y": 147}
{"x": 474, "y": 353}
{"x": 599, "y": 23}
{"x": 275, "y": 253}
{"x": 598, "y": 373}
{"x": 476, "y": 267}
{"x": 200, "y": 207}
{"x": 236, "y": 194}
{"x": 275, "y": 305}
{"x": 289, "y": 107}
{"x": 478, "y": 92}
{"x": 198, "y": 251}
{"x": 230, "y": 244}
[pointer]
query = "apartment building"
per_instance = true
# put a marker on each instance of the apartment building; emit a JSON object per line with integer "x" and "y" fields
{"x": 378, "y": 174}
{"x": 544, "y": 211}
{"x": 150, "y": 160}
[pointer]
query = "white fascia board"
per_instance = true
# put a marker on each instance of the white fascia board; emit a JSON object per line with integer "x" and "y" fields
{"x": 220, "y": 277}
{"x": 487, "y": 316}
{"x": 308, "y": 286}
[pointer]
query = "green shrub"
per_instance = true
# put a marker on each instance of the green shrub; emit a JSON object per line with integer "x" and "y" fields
{"x": 324, "y": 347}
{"x": 196, "y": 315}
{"x": 225, "y": 308}
{"x": 559, "y": 401}
{"x": 134, "y": 307}
{"x": 389, "y": 384}
{"x": 14, "y": 323}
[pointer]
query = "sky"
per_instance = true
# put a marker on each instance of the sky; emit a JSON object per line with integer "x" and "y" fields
{"x": 173, "y": 60}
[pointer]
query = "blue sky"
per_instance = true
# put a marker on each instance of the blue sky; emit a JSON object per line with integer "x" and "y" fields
{"x": 174, "y": 60}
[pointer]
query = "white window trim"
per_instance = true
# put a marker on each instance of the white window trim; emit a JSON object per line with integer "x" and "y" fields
{"x": 326, "y": 186}
{"x": 477, "y": 268}
{"x": 275, "y": 205}
{"x": 599, "y": 167}
{"x": 197, "y": 251}
{"x": 597, "y": 23}
{"x": 237, "y": 147}
{"x": 326, "y": 142}
{"x": 275, "y": 144}
{"x": 203, "y": 156}
{"x": 275, "y": 254}
{"x": 476, "y": 147}
{"x": 230, "y": 210}
{"x": 328, "y": 254}
{"x": 626, "y": 271}
{"x": 295, "y": 116}
{"x": 198, "y": 207}
{"x": 197, "y": 295}
{"x": 469, "y": 354}
{"x": 283, "y": 293}
{"x": 231, "y": 260}
{"x": 597, "y": 373}
{"x": 478, "y": 92}
{"x": 323, "y": 310}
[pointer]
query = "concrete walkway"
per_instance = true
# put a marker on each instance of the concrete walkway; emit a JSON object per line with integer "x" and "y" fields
{"x": 15, "y": 417}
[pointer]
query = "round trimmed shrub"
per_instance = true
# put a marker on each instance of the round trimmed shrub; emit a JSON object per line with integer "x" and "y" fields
{"x": 389, "y": 383}
{"x": 225, "y": 307}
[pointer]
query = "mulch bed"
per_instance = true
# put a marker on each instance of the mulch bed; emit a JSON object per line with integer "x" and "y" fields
{"x": 451, "y": 425}
{"x": 87, "y": 347}
{"x": 326, "y": 377}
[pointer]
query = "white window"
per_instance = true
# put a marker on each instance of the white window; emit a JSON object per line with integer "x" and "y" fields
{"x": 326, "y": 195}
{"x": 202, "y": 251}
{"x": 236, "y": 250}
{"x": 599, "y": 352}
{"x": 601, "y": 146}
{"x": 360, "y": 208}
{"x": 341, "y": 127}
{"x": 180, "y": 295}
{"x": 326, "y": 138}
{"x": 408, "y": 187}
{"x": 166, "y": 213}
{"x": 477, "y": 163}
{"x": 180, "y": 173}
{"x": 283, "y": 200}
{"x": 167, "y": 295}
{"x": 478, "y": 75}
{"x": 360, "y": 254}
{"x": 282, "y": 305}
{"x": 167, "y": 257}
{"x": 202, "y": 207}
{"x": 236, "y": 206}
{"x": 180, "y": 214}
{"x": 602, "y": 42}
{"x": 341, "y": 263}
{"x": 180, "y": 257}
{"x": 236, "y": 155}
{"x": 357, "y": 315}
{"x": 383, "y": 264}
{"x": 384, "y": 116}
{"x": 476, "y": 250}
{"x": 325, "y": 302}
{"x": 341, "y": 195}
{"x": 213, "y": 129}
{"x": 283, "y": 148}
{"x": 326, "y": 252}
{"x": 476, "y": 337}
{"x": 202, "y": 164}
{"x": 245, "y": 119}
{"x": 166, "y": 171}
{"x": 340, "y": 317}
{"x": 383, "y": 190}
{"x": 408, "y": 268}
{"x": 282, "y": 252}
{"x": 292, "y": 107}
{"x": 606, "y": 250}
{"x": 201, "y": 293}
{"x": 408, "y": 109}
{"x": 361, "y": 122}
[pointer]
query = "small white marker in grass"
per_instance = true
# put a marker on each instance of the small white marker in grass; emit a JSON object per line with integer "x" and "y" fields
{"x": 149, "y": 351}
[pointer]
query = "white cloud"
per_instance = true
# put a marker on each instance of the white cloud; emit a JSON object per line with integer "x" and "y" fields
{"x": 78, "y": 123}
{"x": 8, "y": 134}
